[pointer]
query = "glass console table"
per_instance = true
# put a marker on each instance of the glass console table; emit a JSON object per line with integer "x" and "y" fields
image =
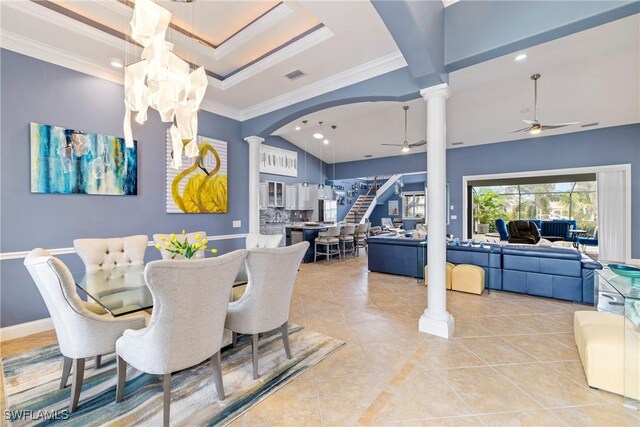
{"x": 616, "y": 294}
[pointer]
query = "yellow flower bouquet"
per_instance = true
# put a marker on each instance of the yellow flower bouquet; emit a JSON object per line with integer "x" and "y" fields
{"x": 186, "y": 249}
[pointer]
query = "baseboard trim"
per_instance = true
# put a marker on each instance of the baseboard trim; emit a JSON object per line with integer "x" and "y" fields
{"x": 23, "y": 329}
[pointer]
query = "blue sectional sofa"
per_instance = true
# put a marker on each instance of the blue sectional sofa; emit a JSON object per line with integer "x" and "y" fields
{"x": 560, "y": 273}
{"x": 549, "y": 272}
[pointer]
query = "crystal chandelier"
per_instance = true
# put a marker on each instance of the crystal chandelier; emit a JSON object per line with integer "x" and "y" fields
{"x": 163, "y": 81}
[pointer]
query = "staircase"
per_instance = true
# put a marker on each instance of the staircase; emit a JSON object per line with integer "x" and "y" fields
{"x": 364, "y": 205}
{"x": 359, "y": 209}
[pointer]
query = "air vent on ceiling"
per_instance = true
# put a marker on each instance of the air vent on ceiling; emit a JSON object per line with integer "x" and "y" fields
{"x": 296, "y": 74}
{"x": 366, "y": 156}
{"x": 457, "y": 143}
{"x": 588, "y": 125}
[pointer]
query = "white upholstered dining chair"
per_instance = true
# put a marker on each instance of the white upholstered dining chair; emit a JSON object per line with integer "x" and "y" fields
{"x": 255, "y": 240}
{"x": 80, "y": 330}
{"x": 264, "y": 306}
{"x": 191, "y": 238}
{"x": 111, "y": 253}
{"x": 190, "y": 300}
{"x": 101, "y": 254}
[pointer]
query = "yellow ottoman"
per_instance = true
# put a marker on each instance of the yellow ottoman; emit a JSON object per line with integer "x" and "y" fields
{"x": 583, "y": 318}
{"x": 467, "y": 278}
{"x": 600, "y": 338}
{"x": 449, "y": 269}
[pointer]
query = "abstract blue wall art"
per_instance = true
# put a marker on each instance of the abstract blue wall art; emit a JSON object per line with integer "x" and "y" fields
{"x": 66, "y": 161}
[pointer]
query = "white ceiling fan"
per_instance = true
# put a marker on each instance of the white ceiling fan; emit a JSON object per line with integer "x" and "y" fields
{"x": 534, "y": 126}
{"x": 406, "y": 146}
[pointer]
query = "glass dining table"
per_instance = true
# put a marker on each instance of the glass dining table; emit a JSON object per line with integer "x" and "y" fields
{"x": 120, "y": 290}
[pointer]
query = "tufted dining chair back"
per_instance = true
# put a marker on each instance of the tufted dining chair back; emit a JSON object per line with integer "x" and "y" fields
{"x": 191, "y": 238}
{"x": 100, "y": 254}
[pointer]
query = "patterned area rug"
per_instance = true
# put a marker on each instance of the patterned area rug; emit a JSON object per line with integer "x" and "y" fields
{"x": 32, "y": 380}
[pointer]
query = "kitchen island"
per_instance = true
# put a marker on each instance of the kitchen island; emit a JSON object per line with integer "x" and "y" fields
{"x": 300, "y": 232}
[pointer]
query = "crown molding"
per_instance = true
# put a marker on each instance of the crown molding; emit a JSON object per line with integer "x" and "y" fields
{"x": 56, "y": 18}
{"x": 221, "y": 109}
{"x": 53, "y": 55}
{"x": 66, "y": 59}
{"x": 305, "y": 43}
{"x": 382, "y": 65}
{"x": 242, "y": 37}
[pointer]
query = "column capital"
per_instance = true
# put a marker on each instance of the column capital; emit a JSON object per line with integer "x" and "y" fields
{"x": 254, "y": 139}
{"x": 437, "y": 91}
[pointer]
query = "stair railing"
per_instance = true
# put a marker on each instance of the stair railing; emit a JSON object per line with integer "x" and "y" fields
{"x": 374, "y": 186}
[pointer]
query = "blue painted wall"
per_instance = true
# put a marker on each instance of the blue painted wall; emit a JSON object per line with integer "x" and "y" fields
{"x": 316, "y": 170}
{"x": 476, "y": 31}
{"x": 343, "y": 210}
{"x": 33, "y": 90}
{"x": 608, "y": 146}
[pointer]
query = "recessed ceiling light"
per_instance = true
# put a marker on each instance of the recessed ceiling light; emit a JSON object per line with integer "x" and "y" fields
{"x": 326, "y": 142}
{"x": 116, "y": 63}
{"x": 318, "y": 135}
{"x": 521, "y": 57}
{"x": 297, "y": 127}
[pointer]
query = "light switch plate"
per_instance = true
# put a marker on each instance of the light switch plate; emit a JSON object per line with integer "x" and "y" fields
{"x": 237, "y": 224}
{"x": 454, "y": 216}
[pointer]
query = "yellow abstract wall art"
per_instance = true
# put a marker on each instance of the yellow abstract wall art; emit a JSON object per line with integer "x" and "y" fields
{"x": 200, "y": 185}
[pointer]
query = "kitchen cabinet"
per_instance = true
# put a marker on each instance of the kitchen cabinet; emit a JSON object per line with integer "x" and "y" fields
{"x": 275, "y": 194}
{"x": 291, "y": 198}
{"x": 325, "y": 193}
{"x": 264, "y": 195}
{"x": 307, "y": 197}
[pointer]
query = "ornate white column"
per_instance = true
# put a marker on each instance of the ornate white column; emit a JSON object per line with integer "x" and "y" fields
{"x": 436, "y": 320}
{"x": 254, "y": 182}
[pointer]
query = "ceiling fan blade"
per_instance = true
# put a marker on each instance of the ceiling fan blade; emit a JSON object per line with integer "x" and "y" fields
{"x": 521, "y": 130}
{"x": 418, "y": 144}
{"x": 394, "y": 145}
{"x": 559, "y": 125}
{"x": 530, "y": 122}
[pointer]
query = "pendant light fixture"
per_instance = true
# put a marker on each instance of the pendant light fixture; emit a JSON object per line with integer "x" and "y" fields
{"x": 320, "y": 181}
{"x": 305, "y": 183}
{"x": 333, "y": 150}
{"x": 163, "y": 81}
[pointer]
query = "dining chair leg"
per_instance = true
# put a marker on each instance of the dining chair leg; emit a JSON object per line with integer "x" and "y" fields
{"x": 66, "y": 370}
{"x": 122, "y": 376}
{"x": 315, "y": 252}
{"x": 98, "y": 361}
{"x": 217, "y": 374}
{"x": 254, "y": 355}
{"x": 166, "y": 410}
{"x": 284, "y": 329}
{"x": 76, "y": 384}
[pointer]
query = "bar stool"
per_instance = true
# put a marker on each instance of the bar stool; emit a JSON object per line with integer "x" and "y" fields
{"x": 347, "y": 237}
{"x": 328, "y": 239}
{"x": 361, "y": 237}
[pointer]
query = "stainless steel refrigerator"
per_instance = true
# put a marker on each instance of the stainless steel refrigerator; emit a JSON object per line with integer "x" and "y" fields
{"x": 327, "y": 211}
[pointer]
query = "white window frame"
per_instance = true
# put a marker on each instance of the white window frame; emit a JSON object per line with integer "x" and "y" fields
{"x": 414, "y": 193}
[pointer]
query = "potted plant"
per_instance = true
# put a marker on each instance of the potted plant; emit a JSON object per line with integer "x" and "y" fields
{"x": 488, "y": 207}
{"x": 182, "y": 248}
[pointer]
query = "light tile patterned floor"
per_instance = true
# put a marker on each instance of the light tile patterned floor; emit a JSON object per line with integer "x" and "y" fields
{"x": 512, "y": 360}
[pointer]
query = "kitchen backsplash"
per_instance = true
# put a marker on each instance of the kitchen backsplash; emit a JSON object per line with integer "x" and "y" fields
{"x": 270, "y": 215}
